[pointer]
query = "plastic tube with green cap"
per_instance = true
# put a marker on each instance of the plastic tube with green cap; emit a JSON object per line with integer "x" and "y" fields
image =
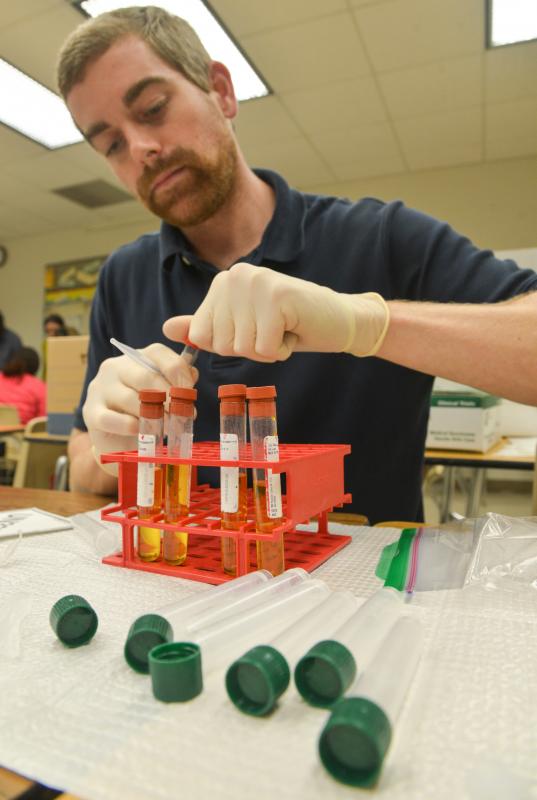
{"x": 326, "y": 671}
{"x": 357, "y": 735}
{"x": 181, "y": 620}
{"x": 224, "y": 640}
{"x": 256, "y": 680}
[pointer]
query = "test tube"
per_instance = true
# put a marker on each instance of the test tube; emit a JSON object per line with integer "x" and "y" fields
{"x": 233, "y": 490}
{"x": 177, "y": 498}
{"x": 184, "y": 618}
{"x": 256, "y": 680}
{"x": 149, "y": 479}
{"x": 267, "y": 485}
{"x": 223, "y": 639}
{"x": 357, "y": 735}
{"x": 327, "y": 670}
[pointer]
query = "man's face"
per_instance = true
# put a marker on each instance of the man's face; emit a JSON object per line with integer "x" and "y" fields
{"x": 168, "y": 142}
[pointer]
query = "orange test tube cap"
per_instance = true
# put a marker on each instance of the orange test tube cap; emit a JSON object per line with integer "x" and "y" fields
{"x": 182, "y": 393}
{"x": 232, "y": 390}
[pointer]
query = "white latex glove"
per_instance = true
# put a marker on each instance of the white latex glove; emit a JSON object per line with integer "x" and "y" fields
{"x": 112, "y": 404}
{"x": 265, "y": 316}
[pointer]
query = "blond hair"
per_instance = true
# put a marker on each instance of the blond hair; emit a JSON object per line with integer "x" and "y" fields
{"x": 170, "y": 37}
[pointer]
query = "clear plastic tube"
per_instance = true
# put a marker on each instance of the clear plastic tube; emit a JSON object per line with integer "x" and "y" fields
{"x": 224, "y": 640}
{"x": 177, "y": 496}
{"x": 233, "y": 482}
{"x": 149, "y": 490}
{"x": 327, "y": 670}
{"x": 256, "y": 680}
{"x": 305, "y": 631}
{"x": 363, "y": 632}
{"x": 239, "y": 602}
{"x": 356, "y": 737}
{"x": 387, "y": 678}
{"x": 267, "y": 484}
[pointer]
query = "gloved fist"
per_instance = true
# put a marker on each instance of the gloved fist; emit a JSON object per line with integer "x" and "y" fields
{"x": 260, "y": 314}
{"x": 112, "y": 405}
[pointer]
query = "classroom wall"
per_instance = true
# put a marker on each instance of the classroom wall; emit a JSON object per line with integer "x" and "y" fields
{"x": 495, "y": 204}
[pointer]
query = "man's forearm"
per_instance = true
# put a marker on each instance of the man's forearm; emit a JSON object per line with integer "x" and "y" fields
{"x": 490, "y": 346}
{"x": 85, "y": 475}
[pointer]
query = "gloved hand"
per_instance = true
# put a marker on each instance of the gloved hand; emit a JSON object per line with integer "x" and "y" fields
{"x": 265, "y": 316}
{"x": 112, "y": 405}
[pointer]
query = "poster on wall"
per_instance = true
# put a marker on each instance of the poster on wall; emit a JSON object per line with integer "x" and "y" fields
{"x": 69, "y": 290}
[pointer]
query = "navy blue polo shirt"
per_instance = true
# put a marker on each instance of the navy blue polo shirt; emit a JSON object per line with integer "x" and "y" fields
{"x": 380, "y": 408}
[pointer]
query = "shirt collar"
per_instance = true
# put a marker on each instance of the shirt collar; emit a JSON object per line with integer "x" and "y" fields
{"x": 282, "y": 240}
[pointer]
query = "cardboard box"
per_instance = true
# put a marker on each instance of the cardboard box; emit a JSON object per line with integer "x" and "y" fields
{"x": 464, "y": 421}
{"x": 66, "y": 367}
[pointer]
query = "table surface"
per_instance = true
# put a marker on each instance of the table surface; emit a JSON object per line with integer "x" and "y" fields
{"x": 64, "y": 503}
{"x": 493, "y": 458}
{"x": 43, "y": 436}
{"x": 7, "y": 429}
{"x": 443, "y": 738}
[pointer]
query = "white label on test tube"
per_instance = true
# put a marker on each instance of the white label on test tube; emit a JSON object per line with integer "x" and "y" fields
{"x": 274, "y": 488}
{"x": 145, "y": 486}
{"x": 229, "y": 476}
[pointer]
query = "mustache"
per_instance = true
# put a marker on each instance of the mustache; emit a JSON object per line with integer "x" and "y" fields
{"x": 180, "y": 157}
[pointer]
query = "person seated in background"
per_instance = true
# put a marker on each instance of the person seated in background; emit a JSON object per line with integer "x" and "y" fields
{"x": 9, "y": 343}
{"x": 20, "y": 387}
{"x": 54, "y": 325}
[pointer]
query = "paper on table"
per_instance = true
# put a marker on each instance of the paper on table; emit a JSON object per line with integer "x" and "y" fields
{"x": 29, "y": 521}
{"x": 518, "y": 446}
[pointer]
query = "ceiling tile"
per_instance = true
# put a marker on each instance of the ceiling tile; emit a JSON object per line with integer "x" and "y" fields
{"x": 52, "y": 26}
{"x": 295, "y": 159}
{"x": 243, "y": 17}
{"x": 347, "y": 104}
{"x": 404, "y": 33}
{"x": 441, "y": 140}
{"x": 511, "y": 72}
{"x": 13, "y": 13}
{"x": 511, "y": 129}
{"x": 433, "y": 88}
{"x": 15, "y": 146}
{"x": 264, "y": 120}
{"x": 316, "y": 53}
{"x": 364, "y": 151}
{"x": 47, "y": 171}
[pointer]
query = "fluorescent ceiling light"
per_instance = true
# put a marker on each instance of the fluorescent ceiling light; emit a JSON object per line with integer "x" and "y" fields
{"x": 32, "y": 109}
{"x": 512, "y": 21}
{"x": 215, "y": 39}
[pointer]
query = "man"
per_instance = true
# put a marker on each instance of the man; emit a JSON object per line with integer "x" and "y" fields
{"x": 275, "y": 286}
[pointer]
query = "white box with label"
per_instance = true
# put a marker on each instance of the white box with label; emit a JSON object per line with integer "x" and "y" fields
{"x": 464, "y": 421}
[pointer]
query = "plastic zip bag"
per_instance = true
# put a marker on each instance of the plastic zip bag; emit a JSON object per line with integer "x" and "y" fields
{"x": 425, "y": 559}
{"x": 506, "y": 551}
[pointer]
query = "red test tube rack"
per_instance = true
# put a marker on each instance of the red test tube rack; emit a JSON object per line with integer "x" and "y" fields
{"x": 314, "y": 479}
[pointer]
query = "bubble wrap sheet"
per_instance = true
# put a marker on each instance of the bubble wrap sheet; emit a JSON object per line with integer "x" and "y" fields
{"x": 82, "y": 721}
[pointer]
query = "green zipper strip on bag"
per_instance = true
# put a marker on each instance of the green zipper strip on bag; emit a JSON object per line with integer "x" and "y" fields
{"x": 398, "y": 571}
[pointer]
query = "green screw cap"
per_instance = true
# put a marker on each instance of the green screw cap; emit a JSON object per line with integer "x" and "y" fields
{"x": 256, "y": 680}
{"x": 73, "y": 620}
{"x": 146, "y": 632}
{"x": 176, "y": 671}
{"x": 324, "y": 674}
{"x": 354, "y": 741}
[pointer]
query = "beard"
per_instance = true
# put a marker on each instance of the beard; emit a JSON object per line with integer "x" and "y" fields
{"x": 202, "y": 189}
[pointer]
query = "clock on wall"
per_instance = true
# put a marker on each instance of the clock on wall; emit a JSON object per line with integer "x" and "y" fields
{"x": 3, "y": 255}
